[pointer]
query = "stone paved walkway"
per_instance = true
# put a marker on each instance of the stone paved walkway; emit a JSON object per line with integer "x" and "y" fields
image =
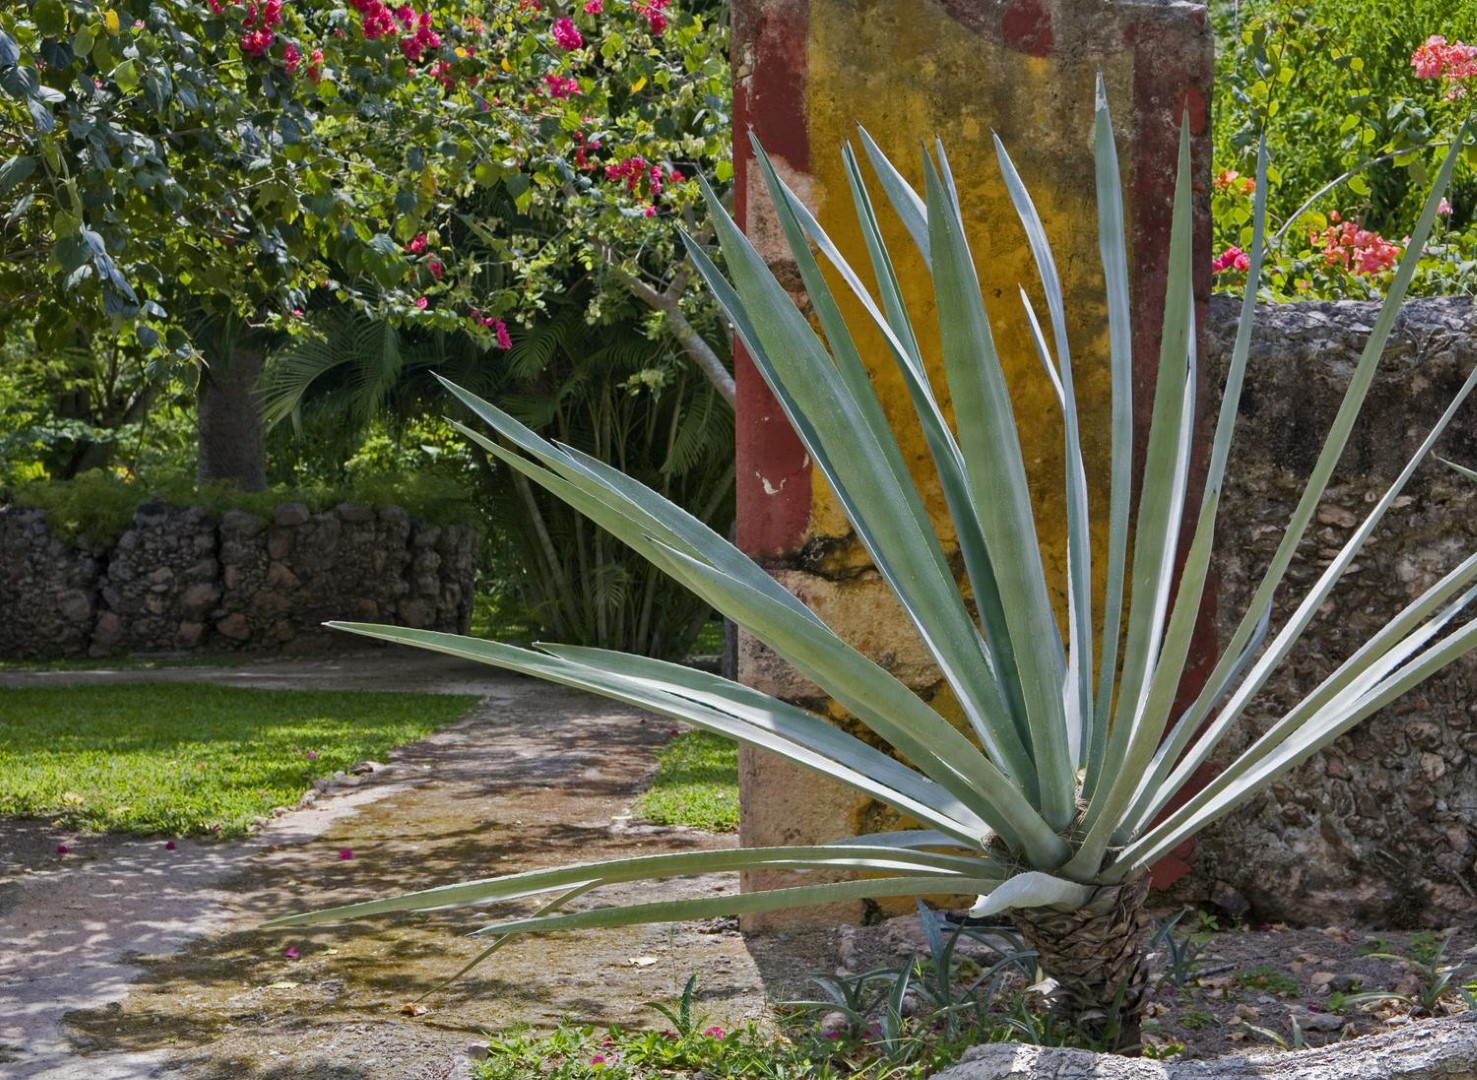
{"x": 128, "y": 961}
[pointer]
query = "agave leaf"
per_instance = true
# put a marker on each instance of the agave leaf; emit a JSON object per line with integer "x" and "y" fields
{"x": 780, "y": 732}
{"x": 931, "y": 599}
{"x": 742, "y": 904}
{"x": 1032, "y": 889}
{"x": 909, "y": 838}
{"x": 1333, "y": 447}
{"x": 633, "y": 501}
{"x": 1162, "y": 494}
{"x": 510, "y": 887}
{"x": 997, "y": 478}
{"x": 1113, "y": 249}
{"x": 1462, "y": 469}
{"x": 897, "y": 331}
{"x": 760, "y": 710}
{"x": 1078, "y": 687}
{"x": 910, "y": 209}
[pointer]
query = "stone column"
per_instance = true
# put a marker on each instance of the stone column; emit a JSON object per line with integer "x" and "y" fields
{"x": 805, "y": 72}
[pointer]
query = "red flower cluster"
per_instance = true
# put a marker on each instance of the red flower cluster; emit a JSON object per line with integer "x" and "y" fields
{"x": 315, "y": 66}
{"x": 291, "y": 58}
{"x": 561, "y": 86}
{"x": 594, "y": 7}
{"x": 1440, "y": 59}
{"x": 497, "y": 326}
{"x": 1233, "y": 258}
{"x": 1233, "y": 181}
{"x": 1347, "y": 245}
{"x": 633, "y": 170}
{"x": 651, "y": 11}
{"x": 417, "y": 244}
{"x": 376, "y": 20}
{"x": 582, "y": 148}
{"x": 257, "y": 28}
{"x": 566, "y": 35}
{"x": 424, "y": 37}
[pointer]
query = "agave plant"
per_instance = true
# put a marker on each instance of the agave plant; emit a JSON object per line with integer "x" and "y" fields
{"x": 1051, "y": 805}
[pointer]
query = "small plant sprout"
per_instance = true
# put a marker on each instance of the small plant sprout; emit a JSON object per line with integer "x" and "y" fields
{"x": 1057, "y": 794}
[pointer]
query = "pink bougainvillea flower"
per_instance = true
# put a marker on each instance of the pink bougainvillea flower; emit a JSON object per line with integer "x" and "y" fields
{"x": 714, "y": 1032}
{"x": 291, "y": 952}
{"x": 598, "y": 1059}
{"x": 1437, "y": 58}
{"x": 566, "y": 36}
{"x": 561, "y": 86}
{"x": 421, "y": 302}
{"x": 436, "y": 268}
{"x": 417, "y": 244}
{"x": 594, "y": 7}
{"x": 1233, "y": 258}
{"x": 504, "y": 340}
{"x": 291, "y": 58}
{"x": 345, "y": 853}
{"x": 169, "y": 845}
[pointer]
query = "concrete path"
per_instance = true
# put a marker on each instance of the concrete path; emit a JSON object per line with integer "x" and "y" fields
{"x": 126, "y": 961}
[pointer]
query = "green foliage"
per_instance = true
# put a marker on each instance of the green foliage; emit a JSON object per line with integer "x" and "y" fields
{"x": 1270, "y": 979}
{"x": 160, "y": 165}
{"x": 1331, "y": 84}
{"x": 190, "y": 758}
{"x": 98, "y": 507}
{"x": 696, "y": 784}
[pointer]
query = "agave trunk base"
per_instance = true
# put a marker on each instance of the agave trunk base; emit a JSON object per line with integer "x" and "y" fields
{"x": 1096, "y": 956}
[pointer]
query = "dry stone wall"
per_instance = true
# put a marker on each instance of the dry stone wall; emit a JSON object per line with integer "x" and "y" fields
{"x": 182, "y": 580}
{"x": 1382, "y": 826}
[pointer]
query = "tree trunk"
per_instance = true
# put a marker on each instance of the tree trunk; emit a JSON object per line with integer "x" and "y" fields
{"x": 1435, "y": 1050}
{"x": 1096, "y": 956}
{"x": 231, "y": 440}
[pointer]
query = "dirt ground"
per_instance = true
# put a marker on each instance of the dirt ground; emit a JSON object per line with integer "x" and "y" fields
{"x": 124, "y": 960}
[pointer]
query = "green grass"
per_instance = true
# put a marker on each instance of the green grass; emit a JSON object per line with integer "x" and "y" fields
{"x": 696, "y": 784}
{"x": 133, "y": 663}
{"x": 190, "y": 759}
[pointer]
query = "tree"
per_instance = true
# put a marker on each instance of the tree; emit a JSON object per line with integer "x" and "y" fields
{"x": 186, "y": 175}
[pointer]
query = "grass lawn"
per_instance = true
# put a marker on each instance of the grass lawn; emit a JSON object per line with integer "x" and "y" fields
{"x": 191, "y": 759}
{"x": 696, "y": 784}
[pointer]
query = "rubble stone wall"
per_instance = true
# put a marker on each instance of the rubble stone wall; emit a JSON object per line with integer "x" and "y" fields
{"x": 183, "y": 580}
{"x": 1382, "y": 825}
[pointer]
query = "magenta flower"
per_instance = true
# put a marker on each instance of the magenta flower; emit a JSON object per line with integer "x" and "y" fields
{"x": 292, "y": 953}
{"x": 311, "y": 755}
{"x": 62, "y": 849}
{"x": 345, "y": 853}
{"x": 714, "y": 1033}
{"x": 421, "y": 303}
{"x": 594, "y": 7}
{"x": 169, "y": 845}
{"x": 504, "y": 340}
{"x": 566, "y": 36}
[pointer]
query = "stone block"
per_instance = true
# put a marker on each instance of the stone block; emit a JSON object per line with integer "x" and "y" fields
{"x": 290, "y": 514}
{"x": 235, "y": 626}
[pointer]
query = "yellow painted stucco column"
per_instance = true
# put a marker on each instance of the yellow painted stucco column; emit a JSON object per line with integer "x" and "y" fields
{"x": 806, "y": 73}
